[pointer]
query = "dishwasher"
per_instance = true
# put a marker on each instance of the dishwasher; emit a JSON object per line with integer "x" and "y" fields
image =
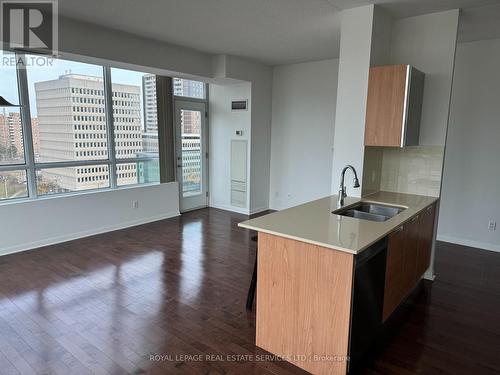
{"x": 367, "y": 302}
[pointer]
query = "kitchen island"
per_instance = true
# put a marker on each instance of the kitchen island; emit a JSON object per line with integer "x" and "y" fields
{"x": 326, "y": 282}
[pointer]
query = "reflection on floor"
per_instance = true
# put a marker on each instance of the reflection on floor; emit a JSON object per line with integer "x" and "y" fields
{"x": 107, "y": 304}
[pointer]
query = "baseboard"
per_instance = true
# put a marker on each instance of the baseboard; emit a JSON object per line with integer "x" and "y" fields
{"x": 469, "y": 243}
{"x": 258, "y": 210}
{"x": 74, "y": 236}
{"x": 429, "y": 276}
{"x": 244, "y": 211}
{"x": 238, "y": 210}
{"x": 277, "y": 207}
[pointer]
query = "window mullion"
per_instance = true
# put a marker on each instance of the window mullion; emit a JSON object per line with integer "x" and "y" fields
{"x": 29, "y": 155}
{"x": 108, "y": 93}
{"x": 71, "y": 164}
{"x": 12, "y": 167}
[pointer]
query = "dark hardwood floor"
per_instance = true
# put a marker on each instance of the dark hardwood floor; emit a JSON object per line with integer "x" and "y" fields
{"x": 138, "y": 300}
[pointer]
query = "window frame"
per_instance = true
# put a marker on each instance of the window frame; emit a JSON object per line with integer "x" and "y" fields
{"x": 30, "y": 166}
{"x": 190, "y": 98}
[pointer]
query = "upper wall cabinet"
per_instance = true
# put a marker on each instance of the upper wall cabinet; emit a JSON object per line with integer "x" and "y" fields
{"x": 394, "y": 106}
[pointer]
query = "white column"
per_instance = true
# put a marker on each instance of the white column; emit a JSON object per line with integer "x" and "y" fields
{"x": 354, "y": 65}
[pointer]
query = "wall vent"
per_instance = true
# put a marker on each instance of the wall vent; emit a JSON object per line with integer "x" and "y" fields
{"x": 239, "y": 105}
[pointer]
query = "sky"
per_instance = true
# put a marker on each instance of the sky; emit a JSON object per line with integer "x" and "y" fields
{"x": 44, "y": 72}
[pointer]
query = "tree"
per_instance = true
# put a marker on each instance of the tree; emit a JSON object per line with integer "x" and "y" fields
{"x": 3, "y": 152}
{"x": 12, "y": 152}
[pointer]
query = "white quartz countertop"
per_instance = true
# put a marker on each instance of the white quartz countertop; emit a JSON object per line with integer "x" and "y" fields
{"x": 314, "y": 222}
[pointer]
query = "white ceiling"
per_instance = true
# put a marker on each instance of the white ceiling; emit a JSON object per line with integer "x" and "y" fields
{"x": 270, "y": 31}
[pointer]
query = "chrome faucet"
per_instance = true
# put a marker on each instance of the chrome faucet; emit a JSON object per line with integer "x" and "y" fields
{"x": 342, "y": 191}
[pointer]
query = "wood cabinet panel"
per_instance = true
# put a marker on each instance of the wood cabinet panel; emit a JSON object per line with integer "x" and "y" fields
{"x": 410, "y": 255}
{"x": 394, "y": 276}
{"x": 304, "y": 302}
{"x": 385, "y": 105}
{"x": 426, "y": 236}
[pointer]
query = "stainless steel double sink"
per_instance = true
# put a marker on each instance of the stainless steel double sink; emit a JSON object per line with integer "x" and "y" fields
{"x": 370, "y": 211}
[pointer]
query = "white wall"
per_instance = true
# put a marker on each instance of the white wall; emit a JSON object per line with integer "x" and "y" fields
{"x": 471, "y": 178}
{"x": 380, "y": 53}
{"x": 223, "y": 124}
{"x": 354, "y": 65}
{"x": 303, "y": 116}
{"x": 260, "y": 164}
{"x": 31, "y": 224}
{"x": 260, "y": 76}
{"x": 428, "y": 43}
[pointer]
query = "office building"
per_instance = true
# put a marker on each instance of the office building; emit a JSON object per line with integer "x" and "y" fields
{"x": 72, "y": 126}
{"x": 150, "y": 135}
{"x": 189, "y": 88}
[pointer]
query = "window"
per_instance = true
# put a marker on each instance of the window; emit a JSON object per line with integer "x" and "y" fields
{"x": 135, "y": 126}
{"x": 13, "y": 185}
{"x": 51, "y": 93}
{"x": 11, "y": 134}
{"x": 70, "y": 179}
{"x": 71, "y": 126}
{"x": 13, "y": 178}
{"x": 191, "y": 152}
{"x": 188, "y": 88}
{"x": 142, "y": 171}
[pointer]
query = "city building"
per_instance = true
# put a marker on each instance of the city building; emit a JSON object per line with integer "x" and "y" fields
{"x": 72, "y": 126}
{"x": 4, "y": 131}
{"x": 150, "y": 135}
{"x": 16, "y": 133}
{"x": 189, "y": 88}
{"x": 191, "y": 151}
{"x": 35, "y": 133}
{"x": 11, "y": 136}
{"x": 149, "y": 103}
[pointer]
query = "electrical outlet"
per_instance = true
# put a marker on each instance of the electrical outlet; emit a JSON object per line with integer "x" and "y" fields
{"x": 492, "y": 225}
{"x": 135, "y": 205}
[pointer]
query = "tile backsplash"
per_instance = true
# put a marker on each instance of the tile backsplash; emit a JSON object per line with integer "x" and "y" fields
{"x": 412, "y": 170}
{"x": 372, "y": 170}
